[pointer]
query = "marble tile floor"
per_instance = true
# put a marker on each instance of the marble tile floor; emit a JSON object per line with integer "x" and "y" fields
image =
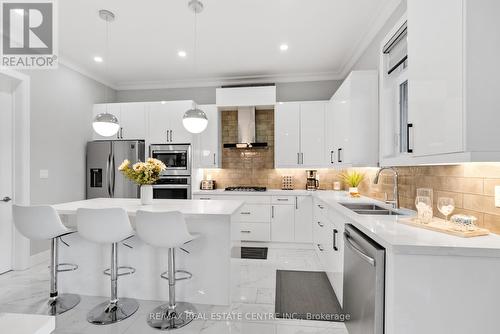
{"x": 253, "y": 299}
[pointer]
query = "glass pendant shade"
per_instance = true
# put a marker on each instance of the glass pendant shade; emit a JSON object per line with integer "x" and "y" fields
{"x": 195, "y": 120}
{"x": 106, "y": 124}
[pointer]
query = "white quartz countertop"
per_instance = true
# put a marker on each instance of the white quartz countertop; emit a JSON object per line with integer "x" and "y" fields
{"x": 400, "y": 238}
{"x": 187, "y": 207}
{"x": 14, "y": 323}
{"x": 268, "y": 192}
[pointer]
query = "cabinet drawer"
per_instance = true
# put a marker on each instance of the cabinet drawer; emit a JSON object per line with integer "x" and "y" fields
{"x": 255, "y": 232}
{"x": 255, "y": 213}
{"x": 283, "y": 200}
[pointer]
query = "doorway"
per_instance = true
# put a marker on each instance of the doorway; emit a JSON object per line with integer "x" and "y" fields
{"x": 14, "y": 166}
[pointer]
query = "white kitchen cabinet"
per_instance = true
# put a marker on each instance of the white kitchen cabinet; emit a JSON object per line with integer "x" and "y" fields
{"x": 133, "y": 120}
{"x": 165, "y": 122}
{"x": 452, "y": 74}
{"x": 208, "y": 142}
{"x": 287, "y": 135}
{"x": 300, "y": 134}
{"x": 303, "y": 218}
{"x": 352, "y": 122}
{"x": 282, "y": 222}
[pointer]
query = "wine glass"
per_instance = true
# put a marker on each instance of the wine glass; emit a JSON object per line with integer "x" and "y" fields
{"x": 446, "y": 205}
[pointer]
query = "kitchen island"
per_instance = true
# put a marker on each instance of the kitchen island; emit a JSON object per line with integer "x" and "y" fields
{"x": 209, "y": 258}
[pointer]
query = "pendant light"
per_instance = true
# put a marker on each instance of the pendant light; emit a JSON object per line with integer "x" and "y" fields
{"x": 106, "y": 124}
{"x": 195, "y": 120}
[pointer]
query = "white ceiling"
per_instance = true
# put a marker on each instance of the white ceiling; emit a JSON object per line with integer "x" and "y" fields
{"x": 238, "y": 40}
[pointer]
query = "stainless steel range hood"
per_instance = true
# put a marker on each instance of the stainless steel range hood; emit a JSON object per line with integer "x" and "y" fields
{"x": 246, "y": 130}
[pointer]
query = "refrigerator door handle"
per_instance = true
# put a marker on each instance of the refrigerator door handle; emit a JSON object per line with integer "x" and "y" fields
{"x": 114, "y": 176}
{"x": 108, "y": 174}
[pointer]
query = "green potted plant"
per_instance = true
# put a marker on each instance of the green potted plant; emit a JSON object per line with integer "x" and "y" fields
{"x": 145, "y": 174}
{"x": 353, "y": 179}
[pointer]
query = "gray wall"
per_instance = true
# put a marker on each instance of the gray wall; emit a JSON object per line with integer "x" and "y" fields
{"x": 61, "y": 114}
{"x": 370, "y": 59}
{"x": 292, "y": 91}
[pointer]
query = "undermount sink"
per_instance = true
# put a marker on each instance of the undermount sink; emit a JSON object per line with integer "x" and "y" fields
{"x": 369, "y": 209}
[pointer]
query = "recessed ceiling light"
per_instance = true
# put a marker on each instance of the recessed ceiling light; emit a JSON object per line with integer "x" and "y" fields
{"x": 98, "y": 59}
{"x": 182, "y": 54}
{"x": 284, "y": 47}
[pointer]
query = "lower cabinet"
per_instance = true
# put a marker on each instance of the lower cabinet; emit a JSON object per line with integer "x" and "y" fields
{"x": 328, "y": 229}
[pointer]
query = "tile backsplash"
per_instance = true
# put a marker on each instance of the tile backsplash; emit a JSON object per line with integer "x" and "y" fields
{"x": 471, "y": 185}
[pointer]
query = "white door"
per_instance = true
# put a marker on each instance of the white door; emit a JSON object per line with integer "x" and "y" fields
{"x": 282, "y": 223}
{"x": 312, "y": 134}
{"x": 6, "y": 175}
{"x": 159, "y": 124}
{"x": 208, "y": 140}
{"x": 133, "y": 120}
{"x": 287, "y": 135}
{"x": 341, "y": 106}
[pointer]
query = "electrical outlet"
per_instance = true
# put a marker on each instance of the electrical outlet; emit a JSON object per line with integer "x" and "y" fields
{"x": 44, "y": 173}
{"x": 497, "y": 196}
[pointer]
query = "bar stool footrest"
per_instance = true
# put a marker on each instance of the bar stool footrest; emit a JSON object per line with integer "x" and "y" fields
{"x": 63, "y": 267}
{"x": 184, "y": 274}
{"x": 129, "y": 271}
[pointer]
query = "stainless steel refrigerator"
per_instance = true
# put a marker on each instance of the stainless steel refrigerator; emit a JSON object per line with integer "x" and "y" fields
{"x": 103, "y": 159}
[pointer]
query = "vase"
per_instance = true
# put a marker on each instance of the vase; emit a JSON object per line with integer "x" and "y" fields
{"x": 353, "y": 191}
{"x": 146, "y": 194}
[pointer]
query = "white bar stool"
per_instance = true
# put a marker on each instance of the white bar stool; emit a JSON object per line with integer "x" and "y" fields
{"x": 108, "y": 226}
{"x": 167, "y": 230}
{"x": 43, "y": 223}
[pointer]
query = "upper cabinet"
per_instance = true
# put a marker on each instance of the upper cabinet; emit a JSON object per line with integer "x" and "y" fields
{"x": 207, "y": 148}
{"x": 131, "y": 116}
{"x": 352, "y": 122}
{"x": 441, "y": 105}
{"x": 300, "y": 134}
{"x": 165, "y": 122}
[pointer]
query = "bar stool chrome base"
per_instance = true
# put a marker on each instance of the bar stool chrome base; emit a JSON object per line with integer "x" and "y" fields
{"x": 55, "y": 306}
{"x": 164, "y": 318}
{"x": 111, "y": 312}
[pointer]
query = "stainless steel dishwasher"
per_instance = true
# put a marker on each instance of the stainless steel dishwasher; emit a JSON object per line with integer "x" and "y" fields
{"x": 364, "y": 271}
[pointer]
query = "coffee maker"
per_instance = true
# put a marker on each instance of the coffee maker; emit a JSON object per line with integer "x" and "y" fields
{"x": 312, "y": 182}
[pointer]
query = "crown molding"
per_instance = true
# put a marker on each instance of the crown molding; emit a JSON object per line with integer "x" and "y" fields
{"x": 377, "y": 24}
{"x": 236, "y": 80}
{"x": 77, "y": 68}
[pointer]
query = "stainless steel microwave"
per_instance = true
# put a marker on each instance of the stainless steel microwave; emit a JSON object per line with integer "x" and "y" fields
{"x": 177, "y": 158}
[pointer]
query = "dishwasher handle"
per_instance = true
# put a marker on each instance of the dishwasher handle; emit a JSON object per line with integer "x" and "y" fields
{"x": 357, "y": 249}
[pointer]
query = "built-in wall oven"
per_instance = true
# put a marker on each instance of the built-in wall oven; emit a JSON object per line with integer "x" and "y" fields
{"x": 177, "y": 158}
{"x": 175, "y": 181}
{"x": 172, "y": 187}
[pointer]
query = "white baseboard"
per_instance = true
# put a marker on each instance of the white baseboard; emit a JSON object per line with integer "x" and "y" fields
{"x": 39, "y": 258}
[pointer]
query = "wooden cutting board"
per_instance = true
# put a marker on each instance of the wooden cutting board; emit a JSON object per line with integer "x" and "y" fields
{"x": 440, "y": 225}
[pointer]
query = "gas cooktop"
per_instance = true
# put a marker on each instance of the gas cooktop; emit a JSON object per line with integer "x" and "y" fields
{"x": 246, "y": 188}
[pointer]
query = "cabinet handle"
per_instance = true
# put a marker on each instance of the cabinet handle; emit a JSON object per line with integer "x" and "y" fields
{"x": 338, "y": 155}
{"x": 121, "y": 133}
{"x": 321, "y": 224}
{"x": 245, "y": 213}
{"x": 205, "y": 198}
{"x": 301, "y": 158}
{"x": 331, "y": 157}
{"x": 215, "y": 163}
{"x": 171, "y": 131}
{"x": 321, "y": 206}
{"x": 320, "y": 247}
{"x": 283, "y": 199}
{"x": 296, "y": 203}
{"x": 298, "y": 158}
{"x": 335, "y": 232}
{"x": 272, "y": 211}
{"x": 246, "y": 231}
{"x": 408, "y": 127}
{"x": 167, "y": 135}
